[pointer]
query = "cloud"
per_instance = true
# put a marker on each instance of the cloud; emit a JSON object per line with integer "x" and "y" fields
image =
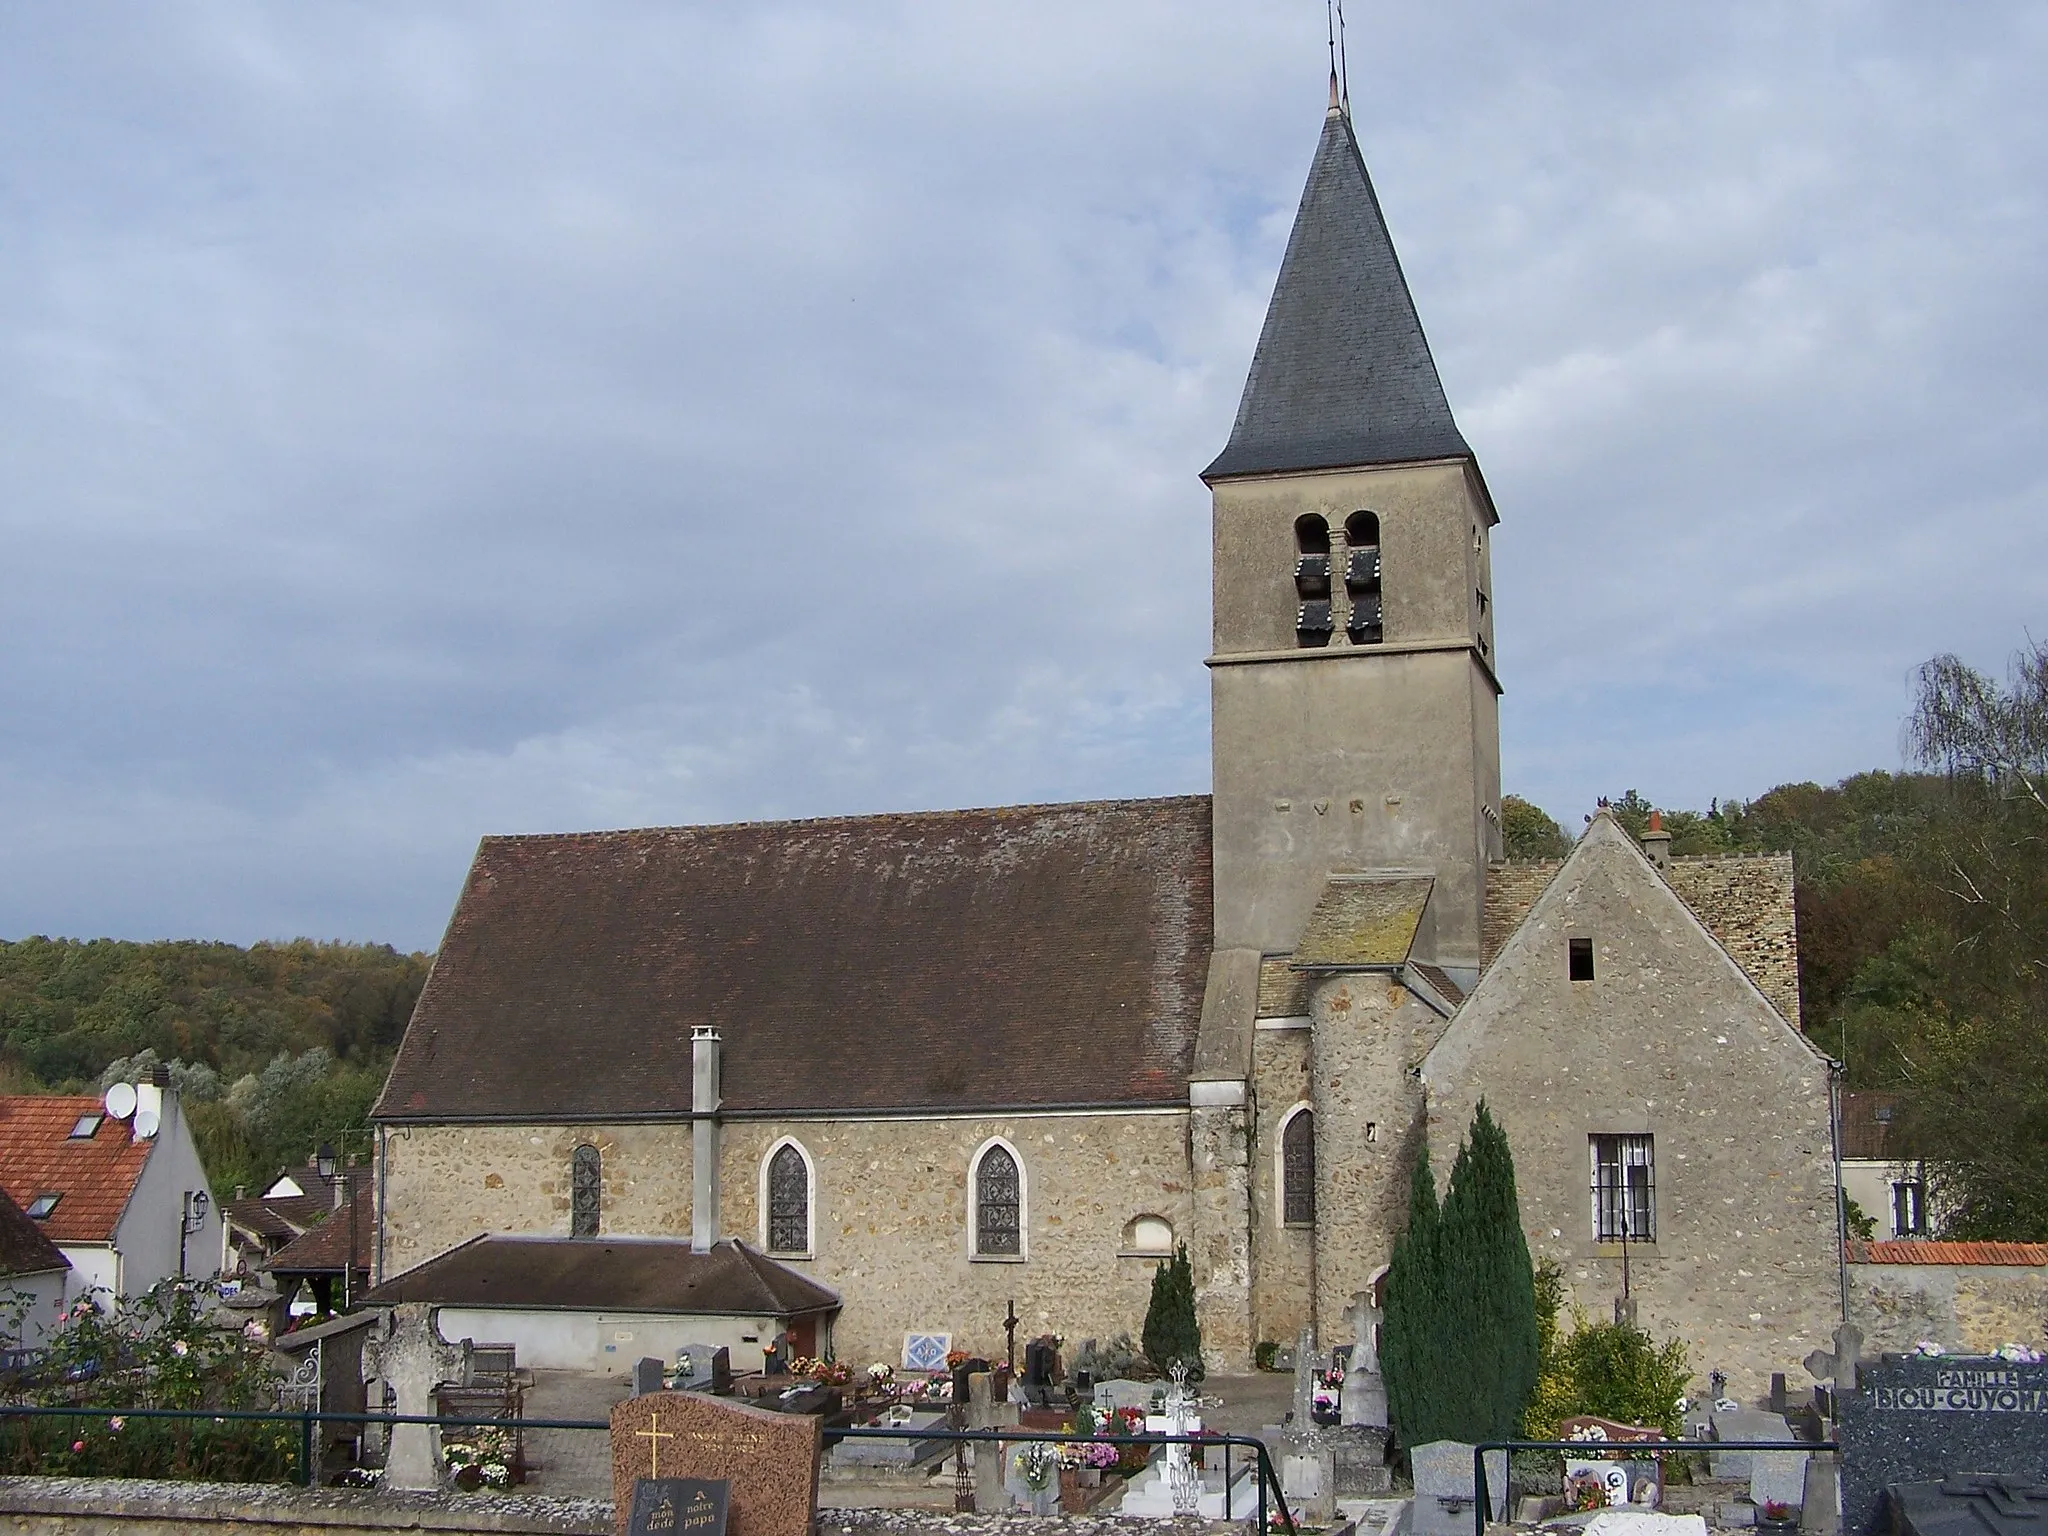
{"x": 417, "y": 425}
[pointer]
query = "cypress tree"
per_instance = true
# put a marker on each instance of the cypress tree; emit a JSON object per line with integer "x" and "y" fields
{"x": 1490, "y": 1335}
{"x": 1411, "y": 1339}
{"x": 1172, "y": 1334}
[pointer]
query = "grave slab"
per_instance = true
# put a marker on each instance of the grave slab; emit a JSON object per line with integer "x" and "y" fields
{"x": 769, "y": 1460}
{"x": 1743, "y": 1424}
{"x": 1916, "y": 1418}
{"x": 1444, "y": 1491}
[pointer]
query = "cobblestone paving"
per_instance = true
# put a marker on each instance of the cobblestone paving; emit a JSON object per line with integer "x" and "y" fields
{"x": 574, "y": 1463}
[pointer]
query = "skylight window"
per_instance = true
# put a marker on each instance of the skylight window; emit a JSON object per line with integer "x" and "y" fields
{"x": 87, "y": 1127}
{"x": 42, "y": 1205}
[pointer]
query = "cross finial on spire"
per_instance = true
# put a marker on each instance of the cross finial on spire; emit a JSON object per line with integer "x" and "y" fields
{"x": 1330, "y": 27}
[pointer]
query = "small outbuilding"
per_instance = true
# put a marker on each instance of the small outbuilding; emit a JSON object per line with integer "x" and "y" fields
{"x": 599, "y": 1304}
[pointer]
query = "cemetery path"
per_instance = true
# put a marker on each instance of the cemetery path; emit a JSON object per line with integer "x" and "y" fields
{"x": 574, "y": 1463}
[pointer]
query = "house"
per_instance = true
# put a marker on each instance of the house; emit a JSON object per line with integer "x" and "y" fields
{"x": 32, "y": 1274}
{"x": 940, "y": 1062}
{"x": 291, "y": 1205}
{"x": 330, "y": 1259}
{"x": 1888, "y": 1190}
{"x": 124, "y": 1199}
{"x": 600, "y": 1305}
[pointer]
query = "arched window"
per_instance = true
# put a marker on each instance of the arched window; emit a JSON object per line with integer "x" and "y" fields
{"x": 1312, "y": 622}
{"x": 788, "y": 1200}
{"x": 998, "y": 1204}
{"x": 1298, "y": 1169}
{"x": 1148, "y": 1234}
{"x": 1362, "y": 578}
{"x": 586, "y": 1190}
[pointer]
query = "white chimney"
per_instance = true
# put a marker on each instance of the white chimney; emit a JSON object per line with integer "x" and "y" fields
{"x": 704, "y": 1054}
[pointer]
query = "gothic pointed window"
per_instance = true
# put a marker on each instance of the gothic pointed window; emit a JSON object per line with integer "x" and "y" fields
{"x": 789, "y": 1201}
{"x": 1298, "y": 1169}
{"x": 1313, "y": 624}
{"x": 998, "y": 1204}
{"x": 586, "y": 1190}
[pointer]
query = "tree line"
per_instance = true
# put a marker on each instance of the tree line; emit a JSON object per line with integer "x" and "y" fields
{"x": 273, "y": 1049}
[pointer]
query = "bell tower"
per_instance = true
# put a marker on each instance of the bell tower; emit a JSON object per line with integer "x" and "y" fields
{"x": 1353, "y": 688}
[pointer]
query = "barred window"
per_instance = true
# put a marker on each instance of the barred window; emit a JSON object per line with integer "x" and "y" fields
{"x": 1298, "y": 1169}
{"x": 789, "y": 1201}
{"x": 586, "y": 1190}
{"x": 1624, "y": 1190}
{"x": 998, "y": 1205}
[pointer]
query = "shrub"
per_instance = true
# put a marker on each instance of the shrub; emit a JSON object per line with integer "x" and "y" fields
{"x": 1615, "y": 1370}
{"x": 1172, "y": 1334}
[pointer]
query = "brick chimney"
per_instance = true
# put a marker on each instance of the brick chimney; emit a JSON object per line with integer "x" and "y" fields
{"x": 704, "y": 1101}
{"x": 1657, "y": 842}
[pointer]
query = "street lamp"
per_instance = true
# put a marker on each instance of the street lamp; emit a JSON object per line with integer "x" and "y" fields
{"x": 191, "y": 1220}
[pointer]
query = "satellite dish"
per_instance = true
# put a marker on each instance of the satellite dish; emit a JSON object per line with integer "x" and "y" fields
{"x": 149, "y": 1109}
{"x": 120, "y": 1100}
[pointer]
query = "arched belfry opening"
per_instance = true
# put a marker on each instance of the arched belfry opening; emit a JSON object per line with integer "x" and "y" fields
{"x": 1313, "y": 620}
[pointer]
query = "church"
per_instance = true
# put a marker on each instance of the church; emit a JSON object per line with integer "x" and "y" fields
{"x": 945, "y": 1063}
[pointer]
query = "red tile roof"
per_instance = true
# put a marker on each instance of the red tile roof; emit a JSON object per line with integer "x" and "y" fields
{"x": 322, "y": 1249}
{"x": 95, "y": 1175}
{"x": 1948, "y": 1253}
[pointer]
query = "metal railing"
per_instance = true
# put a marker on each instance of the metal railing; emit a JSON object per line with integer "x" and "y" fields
{"x": 308, "y": 1422}
{"x": 1613, "y": 1450}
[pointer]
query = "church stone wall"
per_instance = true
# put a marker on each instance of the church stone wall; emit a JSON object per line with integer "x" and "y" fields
{"x": 1283, "y": 1258}
{"x": 1220, "y": 1144}
{"x": 443, "y": 1184}
{"x": 1370, "y": 1035}
{"x": 890, "y": 1212}
{"x": 891, "y": 1222}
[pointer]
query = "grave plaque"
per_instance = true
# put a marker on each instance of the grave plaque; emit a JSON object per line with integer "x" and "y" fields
{"x": 769, "y": 1461}
{"x": 678, "y": 1506}
{"x": 1919, "y": 1418}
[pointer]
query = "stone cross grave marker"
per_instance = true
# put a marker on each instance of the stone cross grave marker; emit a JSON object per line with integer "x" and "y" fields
{"x": 769, "y": 1461}
{"x": 1840, "y": 1367}
{"x": 412, "y": 1358}
{"x": 1362, "y": 1400}
{"x": 1913, "y": 1418}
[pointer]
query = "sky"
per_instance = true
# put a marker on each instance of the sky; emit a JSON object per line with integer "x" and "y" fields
{"x": 426, "y": 421}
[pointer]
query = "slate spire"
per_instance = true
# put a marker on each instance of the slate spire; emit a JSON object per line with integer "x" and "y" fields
{"x": 1343, "y": 374}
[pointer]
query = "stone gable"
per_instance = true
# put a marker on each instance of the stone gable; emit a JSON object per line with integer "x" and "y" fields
{"x": 1744, "y": 900}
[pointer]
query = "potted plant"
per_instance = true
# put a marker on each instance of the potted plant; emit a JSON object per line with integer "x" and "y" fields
{"x": 1777, "y": 1518}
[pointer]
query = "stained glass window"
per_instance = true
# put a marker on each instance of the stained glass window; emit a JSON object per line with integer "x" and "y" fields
{"x": 789, "y": 1202}
{"x": 1298, "y": 1170}
{"x": 998, "y": 1204}
{"x": 586, "y": 1190}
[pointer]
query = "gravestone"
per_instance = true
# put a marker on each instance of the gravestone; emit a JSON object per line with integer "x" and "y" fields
{"x": 646, "y": 1375}
{"x": 926, "y": 1352}
{"x": 769, "y": 1461}
{"x": 1743, "y": 1424}
{"x": 1778, "y": 1477}
{"x": 703, "y": 1368}
{"x": 1915, "y": 1418}
{"x": 1364, "y": 1401}
{"x": 1638, "y": 1482}
{"x": 412, "y": 1359}
{"x": 679, "y": 1506}
{"x": 1841, "y": 1366}
{"x": 1444, "y": 1488}
{"x": 1114, "y": 1396}
{"x": 894, "y": 1453}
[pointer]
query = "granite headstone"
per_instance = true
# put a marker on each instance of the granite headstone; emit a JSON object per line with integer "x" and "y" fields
{"x": 769, "y": 1460}
{"x": 1913, "y": 1418}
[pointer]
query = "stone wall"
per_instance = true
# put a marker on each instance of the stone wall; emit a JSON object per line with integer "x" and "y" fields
{"x": 1371, "y": 1034}
{"x": 890, "y": 1210}
{"x": 1745, "y": 902}
{"x": 1667, "y": 1040}
{"x": 1283, "y": 1257}
{"x": 1966, "y": 1308}
{"x": 86, "y": 1506}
